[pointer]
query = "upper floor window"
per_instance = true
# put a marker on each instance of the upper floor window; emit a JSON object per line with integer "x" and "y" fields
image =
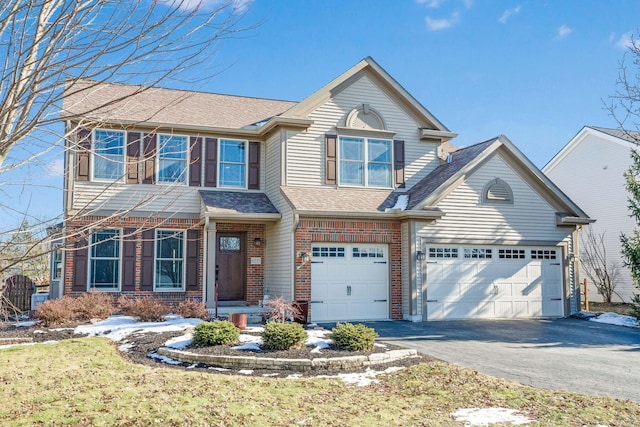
{"x": 108, "y": 161}
{"x": 104, "y": 262}
{"x": 233, "y": 158}
{"x": 172, "y": 158}
{"x": 365, "y": 162}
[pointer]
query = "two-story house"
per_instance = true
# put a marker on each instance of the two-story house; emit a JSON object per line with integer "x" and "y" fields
{"x": 341, "y": 200}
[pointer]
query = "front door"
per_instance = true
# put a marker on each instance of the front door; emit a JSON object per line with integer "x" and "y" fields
{"x": 230, "y": 262}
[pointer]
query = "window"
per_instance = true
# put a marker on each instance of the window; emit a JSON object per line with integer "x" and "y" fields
{"x": 229, "y": 244}
{"x": 368, "y": 253}
{"x": 443, "y": 252}
{"x": 511, "y": 253}
{"x": 477, "y": 253}
{"x": 355, "y": 153}
{"x": 169, "y": 260}
{"x": 233, "y": 157}
{"x": 108, "y": 158}
{"x": 56, "y": 264}
{"x": 104, "y": 263}
{"x": 327, "y": 252}
{"x": 172, "y": 158}
{"x": 543, "y": 254}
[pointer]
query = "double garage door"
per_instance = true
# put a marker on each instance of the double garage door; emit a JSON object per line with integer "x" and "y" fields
{"x": 493, "y": 282}
{"x": 349, "y": 282}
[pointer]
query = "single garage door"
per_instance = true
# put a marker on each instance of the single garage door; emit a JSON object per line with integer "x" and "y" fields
{"x": 349, "y": 282}
{"x": 470, "y": 282}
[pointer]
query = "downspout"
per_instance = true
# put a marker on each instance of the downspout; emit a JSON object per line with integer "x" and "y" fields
{"x": 296, "y": 222}
{"x": 205, "y": 258}
{"x": 576, "y": 267}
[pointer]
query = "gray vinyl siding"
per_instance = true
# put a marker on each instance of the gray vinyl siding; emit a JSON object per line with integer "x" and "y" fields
{"x": 592, "y": 176}
{"x": 279, "y": 236}
{"x": 305, "y": 150}
{"x": 130, "y": 198}
{"x": 529, "y": 219}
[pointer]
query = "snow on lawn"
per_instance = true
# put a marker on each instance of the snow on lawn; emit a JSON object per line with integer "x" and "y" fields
{"x": 487, "y": 416}
{"x": 119, "y": 327}
{"x": 616, "y": 319}
{"x": 181, "y": 342}
{"x": 361, "y": 379}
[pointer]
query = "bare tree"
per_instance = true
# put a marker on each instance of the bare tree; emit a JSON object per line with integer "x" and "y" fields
{"x": 52, "y": 49}
{"x": 599, "y": 268}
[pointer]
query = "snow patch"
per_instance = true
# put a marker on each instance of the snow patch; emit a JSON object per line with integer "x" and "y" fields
{"x": 616, "y": 319}
{"x": 119, "y": 327}
{"x": 245, "y": 371}
{"x": 362, "y": 379}
{"x": 181, "y": 342}
{"x": 125, "y": 347}
{"x": 215, "y": 368}
{"x": 246, "y": 338}
{"x": 401, "y": 202}
{"x": 488, "y": 416}
{"x": 250, "y": 346}
{"x": 26, "y": 324}
{"x": 163, "y": 359}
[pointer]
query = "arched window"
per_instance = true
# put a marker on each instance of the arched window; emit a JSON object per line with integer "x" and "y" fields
{"x": 497, "y": 191}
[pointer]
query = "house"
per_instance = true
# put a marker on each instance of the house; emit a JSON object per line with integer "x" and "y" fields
{"x": 589, "y": 169}
{"x": 341, "y": 200}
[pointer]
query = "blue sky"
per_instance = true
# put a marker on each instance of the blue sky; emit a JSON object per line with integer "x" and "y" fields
{"x": 535, "y": 71}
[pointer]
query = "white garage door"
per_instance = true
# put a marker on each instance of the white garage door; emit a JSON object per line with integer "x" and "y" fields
{"x": 466, "y": 282}
{"x": 349, "y": 282}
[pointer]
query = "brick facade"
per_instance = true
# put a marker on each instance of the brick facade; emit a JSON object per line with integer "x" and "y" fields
{"x": 82, "y": 225}
{"x": 340, "y": 231}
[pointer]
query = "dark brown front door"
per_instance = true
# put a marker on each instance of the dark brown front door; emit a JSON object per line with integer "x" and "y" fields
{"x": 231, "y": 257}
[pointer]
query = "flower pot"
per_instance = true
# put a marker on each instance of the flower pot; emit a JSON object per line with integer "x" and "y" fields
{"x": 239, "y": 320}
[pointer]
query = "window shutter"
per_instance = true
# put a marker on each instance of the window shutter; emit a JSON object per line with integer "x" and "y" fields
{"x": 129, "y": 260}
{"x": 210, "y": 162}
{"x": 149, "y": 166}
{"x": 133, "y": 157}
{"x": 398, "y": 163}
{"x": 331, "y": 142}
{"x": 195, "y": 163}
{"x": 254, "y": 166}
{"x": 83, "y": 150}
{"x": 193, "y": 259}
{"x": 80, "y": 266}
{"x": 146, "y": 272}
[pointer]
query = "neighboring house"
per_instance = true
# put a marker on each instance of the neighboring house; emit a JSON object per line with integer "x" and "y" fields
{"x": 590, "y": 169}
{"x": 341, "y": 200}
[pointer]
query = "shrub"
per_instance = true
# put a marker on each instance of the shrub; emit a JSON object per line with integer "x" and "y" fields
{"x": 56, "y": 312}
{"x": 192, "y": 309}
{"x": 283, "y": 336}
{"x": 280, "y": 309}
{"x": 350, "y": 337}
{"x": 94, "y": 305}
{"x": 215, "y": 333}
{"x": 145, "y": 309}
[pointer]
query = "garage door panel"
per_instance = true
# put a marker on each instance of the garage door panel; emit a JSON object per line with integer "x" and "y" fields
{"x": 494, "y": 282}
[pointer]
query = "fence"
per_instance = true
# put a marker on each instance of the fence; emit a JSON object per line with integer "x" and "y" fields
{"x": 18, "y": 290}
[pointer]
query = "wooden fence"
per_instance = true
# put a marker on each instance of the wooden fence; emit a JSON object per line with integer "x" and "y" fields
{"x": 18, "y": 290}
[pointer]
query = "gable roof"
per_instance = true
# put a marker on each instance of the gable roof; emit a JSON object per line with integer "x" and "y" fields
{"x": 431, "y": 189}
{"x": 628, "y": 139}
{"x": 122, "y": 103}
{"x": 370, "y": 67}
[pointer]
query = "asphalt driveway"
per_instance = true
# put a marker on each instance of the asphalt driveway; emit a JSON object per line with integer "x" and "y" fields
{"x": 575, "y": 355}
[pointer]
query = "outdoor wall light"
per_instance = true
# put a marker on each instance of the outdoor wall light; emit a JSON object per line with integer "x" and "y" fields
{"x": 421, "y": 256}
{"x": 257, "y": 242}
{"x": 305, "y": 257}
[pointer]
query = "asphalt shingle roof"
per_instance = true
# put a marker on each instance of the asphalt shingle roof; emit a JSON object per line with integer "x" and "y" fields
{"x": 622, "y": 134}
{"x": 340, "y": 199}
{"x": 110, "y": 102}
{"x": 233, "y": 202}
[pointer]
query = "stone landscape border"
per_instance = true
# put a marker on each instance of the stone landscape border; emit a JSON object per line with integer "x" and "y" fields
{"x": 302, "y": 365}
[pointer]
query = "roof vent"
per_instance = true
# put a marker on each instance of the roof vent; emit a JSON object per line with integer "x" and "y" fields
{"x": 449, "y": 158}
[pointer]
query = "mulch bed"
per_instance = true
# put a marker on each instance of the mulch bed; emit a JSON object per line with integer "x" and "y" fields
{"x": 142, "y": 344}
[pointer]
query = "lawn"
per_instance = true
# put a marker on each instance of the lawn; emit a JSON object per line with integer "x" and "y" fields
{"x": 87, "y": 382}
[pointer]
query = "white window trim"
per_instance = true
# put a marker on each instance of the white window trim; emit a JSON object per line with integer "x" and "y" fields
{"x": 246, "y": 164}
{"x": 89, "y": 258}
{"x": 365, "y": 161}
{"x": 156, "y": 259}
{"x": 56, "y": 248}
{"x": 94, "y": 155}
{"x": 157, "y": 156}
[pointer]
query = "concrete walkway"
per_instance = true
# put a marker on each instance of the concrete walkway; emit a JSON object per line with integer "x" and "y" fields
{"x": 575, "y": 355}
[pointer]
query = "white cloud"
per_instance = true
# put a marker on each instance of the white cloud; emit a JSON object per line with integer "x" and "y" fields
{"x": 468, "y": 3}
{"x": 564, "y": 31}
{"x": 441, "y": 24}
{"x": 54, "y": 168}
{"x": 507, "y": 14}
{"x": 433, "y": 4}
{"x": 625, "y": 41}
